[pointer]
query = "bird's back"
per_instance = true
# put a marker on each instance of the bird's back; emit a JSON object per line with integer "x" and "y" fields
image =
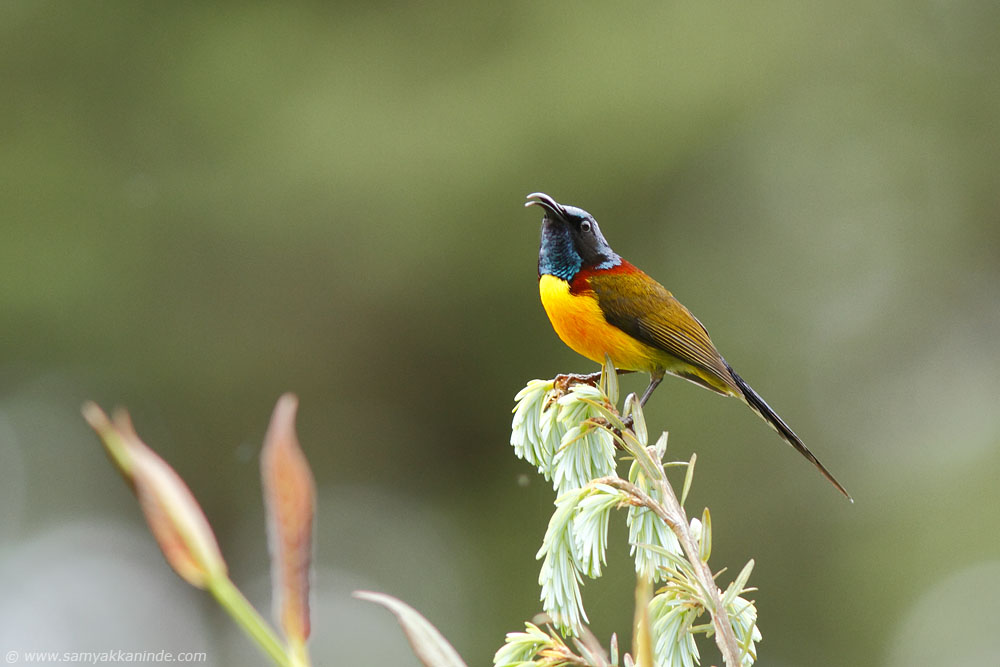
{"x": 644, "y": 309}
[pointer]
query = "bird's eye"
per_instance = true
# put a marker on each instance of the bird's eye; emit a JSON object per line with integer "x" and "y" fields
{"x": 585, "y": 226}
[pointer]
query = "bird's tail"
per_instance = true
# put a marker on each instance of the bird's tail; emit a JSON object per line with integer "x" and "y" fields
{"x": 758, "y": 405}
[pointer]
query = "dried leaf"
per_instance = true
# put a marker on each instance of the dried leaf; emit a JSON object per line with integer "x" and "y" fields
{"x": 290, "y": 500}
{"x": 175, "y": 519}
{"x": 428, "y": 644}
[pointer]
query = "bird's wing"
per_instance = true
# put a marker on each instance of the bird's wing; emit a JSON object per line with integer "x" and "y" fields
{"x": 646, "y": 310}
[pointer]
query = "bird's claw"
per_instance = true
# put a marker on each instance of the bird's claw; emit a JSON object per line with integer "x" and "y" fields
{"x": 564, "y": 381}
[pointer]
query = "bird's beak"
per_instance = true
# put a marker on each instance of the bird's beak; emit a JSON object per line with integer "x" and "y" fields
{"x": 546, "y": 202}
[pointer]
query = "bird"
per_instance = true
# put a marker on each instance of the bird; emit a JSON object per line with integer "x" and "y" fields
{"x": 600, "y": 304}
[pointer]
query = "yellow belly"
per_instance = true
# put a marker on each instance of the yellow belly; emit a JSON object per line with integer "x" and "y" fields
{"x": 580, "y": 324}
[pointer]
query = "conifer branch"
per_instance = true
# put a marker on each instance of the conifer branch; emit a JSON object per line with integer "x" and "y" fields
{"x": 673, "y": 515}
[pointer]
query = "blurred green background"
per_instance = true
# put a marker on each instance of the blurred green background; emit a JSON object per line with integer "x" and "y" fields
{"x": 205, "y": 205}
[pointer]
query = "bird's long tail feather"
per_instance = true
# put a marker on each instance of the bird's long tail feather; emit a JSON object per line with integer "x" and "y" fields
{"x": 758, "y": 405}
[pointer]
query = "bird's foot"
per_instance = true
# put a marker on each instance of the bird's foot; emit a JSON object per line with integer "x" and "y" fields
{"x": 564, "y": 381}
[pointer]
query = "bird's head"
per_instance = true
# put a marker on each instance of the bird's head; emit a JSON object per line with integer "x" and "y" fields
{"x": 571, "y": 240}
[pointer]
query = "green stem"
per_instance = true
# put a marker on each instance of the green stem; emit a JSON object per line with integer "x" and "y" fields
{"x": 233, "y": 601}
{"x": 299, "y": 654}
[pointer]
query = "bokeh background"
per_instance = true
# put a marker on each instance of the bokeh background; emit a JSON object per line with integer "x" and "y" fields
{"x": 207, "y": 204}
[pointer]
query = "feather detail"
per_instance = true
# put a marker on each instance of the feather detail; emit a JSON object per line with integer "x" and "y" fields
{"x": 581, "y": 280}
{"x": 647, "y": 311}
{"x": 758, "y": 405}
{"x": 578, "y": 321}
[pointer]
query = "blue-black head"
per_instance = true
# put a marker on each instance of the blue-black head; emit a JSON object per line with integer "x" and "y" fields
{"x": 571, "y": 240}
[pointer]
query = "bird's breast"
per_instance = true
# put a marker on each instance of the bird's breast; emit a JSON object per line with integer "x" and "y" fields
{"x": 577, "y": 318}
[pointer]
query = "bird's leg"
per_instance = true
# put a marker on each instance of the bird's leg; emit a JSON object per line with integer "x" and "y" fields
{"x": 654, "y": 381}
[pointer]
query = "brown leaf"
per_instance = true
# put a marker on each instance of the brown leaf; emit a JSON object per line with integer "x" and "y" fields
{"x": 290, "y": 499}
{"x": 172, "y": 513}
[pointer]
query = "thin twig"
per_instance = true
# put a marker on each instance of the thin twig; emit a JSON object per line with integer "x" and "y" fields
{"x": 673, "y": 515}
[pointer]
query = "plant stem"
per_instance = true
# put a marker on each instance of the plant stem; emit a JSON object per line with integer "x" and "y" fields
{"x": 724, "y": 635}
{"x": 299, "y": 653}
{"x": 237, "y": 606}
{"x": 673, "y": 515}
{"x": 642, "y": 635}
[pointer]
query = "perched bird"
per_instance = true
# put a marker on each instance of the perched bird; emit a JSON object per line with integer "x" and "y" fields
{"x": 600, "y": 304}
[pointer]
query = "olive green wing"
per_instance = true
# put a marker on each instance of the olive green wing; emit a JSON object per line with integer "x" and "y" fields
{"x": 647, "y": 311}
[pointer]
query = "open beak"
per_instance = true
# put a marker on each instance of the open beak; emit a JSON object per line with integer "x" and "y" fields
{"x": 546, "y": 202}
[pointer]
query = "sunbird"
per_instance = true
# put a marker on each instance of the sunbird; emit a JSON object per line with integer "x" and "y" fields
{"x": 598, "y": 303}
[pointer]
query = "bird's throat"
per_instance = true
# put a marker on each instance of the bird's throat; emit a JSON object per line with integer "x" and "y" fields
{"x": 556, "y": 254}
